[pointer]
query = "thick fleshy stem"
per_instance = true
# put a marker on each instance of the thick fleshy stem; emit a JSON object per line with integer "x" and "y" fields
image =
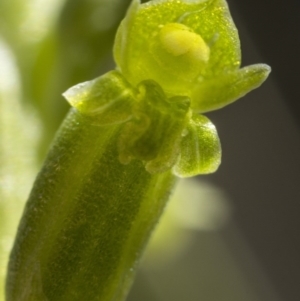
{"x": 87, "y": 219}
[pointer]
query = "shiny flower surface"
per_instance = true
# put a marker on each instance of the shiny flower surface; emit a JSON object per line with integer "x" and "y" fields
{"x": 175, "y": 59}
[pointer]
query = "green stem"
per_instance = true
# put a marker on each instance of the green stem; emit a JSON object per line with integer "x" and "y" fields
{"x": 86, "y": 221}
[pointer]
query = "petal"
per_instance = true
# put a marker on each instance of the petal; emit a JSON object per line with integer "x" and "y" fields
{"x": 215, "y": 25}
{"x": 105, "y": 100}
{"x": 200, "y": 149}
{"x": 124, "y": 35}
{"x": 216, "y": 93}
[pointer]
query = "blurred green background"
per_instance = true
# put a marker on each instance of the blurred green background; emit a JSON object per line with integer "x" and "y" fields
{"x": 229, "y": 236}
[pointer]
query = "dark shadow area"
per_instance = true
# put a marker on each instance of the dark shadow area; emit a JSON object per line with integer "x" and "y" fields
{"x": 261, "y": 144}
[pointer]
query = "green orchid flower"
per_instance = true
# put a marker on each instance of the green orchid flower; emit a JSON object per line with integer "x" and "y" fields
{"x": 175, "y": 59}
{"x": 189, "y": 48}
{"x": 113, "y": 163}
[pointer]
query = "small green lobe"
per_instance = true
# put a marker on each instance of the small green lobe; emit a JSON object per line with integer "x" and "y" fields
{"x": 107, "y": 99}
{"x": 200, "y": 149}
{"x": 216, "y": 93}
